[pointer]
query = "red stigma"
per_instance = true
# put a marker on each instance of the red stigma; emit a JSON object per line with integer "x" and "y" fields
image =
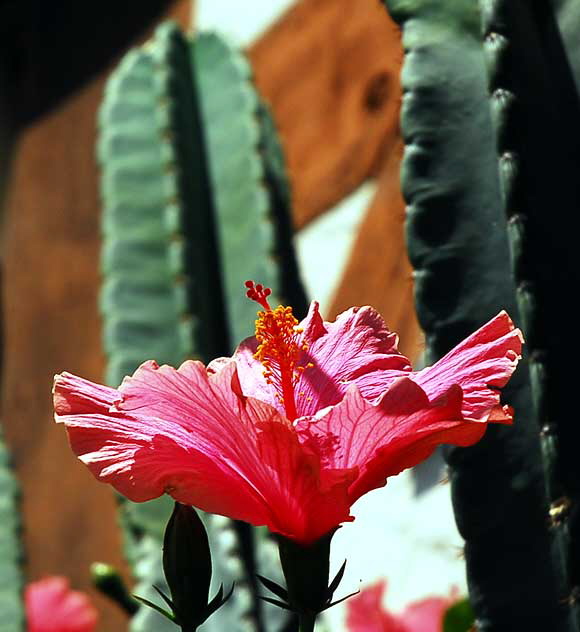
{"x": 257, "y": 292}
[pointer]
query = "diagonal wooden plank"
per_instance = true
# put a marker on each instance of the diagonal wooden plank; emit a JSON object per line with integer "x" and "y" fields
{"x": 330, "y": 69}
{"x": 378, "y": 271}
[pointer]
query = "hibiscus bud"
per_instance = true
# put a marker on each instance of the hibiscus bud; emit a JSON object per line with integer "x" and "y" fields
{"x": 187, "y": 565}
{"x": 108, "y": 581}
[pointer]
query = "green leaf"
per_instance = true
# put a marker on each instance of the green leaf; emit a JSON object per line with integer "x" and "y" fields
{"x": 11, "y": 581}
{"x": 457, "y": 241}
{"x": 459, "y": 617}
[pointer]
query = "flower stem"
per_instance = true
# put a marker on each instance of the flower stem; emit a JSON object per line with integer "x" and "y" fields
{"x": 306, "y": 621}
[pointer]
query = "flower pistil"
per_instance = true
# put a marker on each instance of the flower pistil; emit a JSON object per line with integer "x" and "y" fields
{"x": 279, "y": 347}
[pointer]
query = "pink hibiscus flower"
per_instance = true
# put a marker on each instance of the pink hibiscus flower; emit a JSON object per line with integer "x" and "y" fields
{"x": 51, "y": 606}
{"x": 296, "y": 426}
{"x": 365, "y": 613}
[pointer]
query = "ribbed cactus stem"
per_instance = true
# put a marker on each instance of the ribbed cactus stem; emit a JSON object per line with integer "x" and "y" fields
{"x": 195, "y": 203}
{"x": 458, "y": 245}
{"x": 498, "y": 18}
{"x": 11, "y": 558}
{"x": 162, "y": 297}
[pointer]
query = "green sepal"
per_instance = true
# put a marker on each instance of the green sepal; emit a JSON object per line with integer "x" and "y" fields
{"x": 306, "y": 570}
{"x": 157, "y": 608}
{"x": 336, "y": 581}
{"x": 275, "y": 602}
{"x": 218, "y": 601}
{"x": 273, "y": 587}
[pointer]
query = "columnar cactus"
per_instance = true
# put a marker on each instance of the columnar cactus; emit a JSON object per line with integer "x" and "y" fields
{"x": 520, "y": 36}
{"x": 457, "y": 240}
{"x": 195, "y": 203}
{"x": 11, "y": 581}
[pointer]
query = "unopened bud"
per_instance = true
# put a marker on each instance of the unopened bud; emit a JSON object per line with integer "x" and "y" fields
{"x": 187, "y": 565}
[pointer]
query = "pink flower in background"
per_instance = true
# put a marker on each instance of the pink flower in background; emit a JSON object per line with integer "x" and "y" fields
{"x": 365, "y": 613}
{"x": 296, "y": 426}
{"x": 51, "y": 606}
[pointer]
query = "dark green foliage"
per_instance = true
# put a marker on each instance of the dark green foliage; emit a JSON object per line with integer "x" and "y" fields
{"x": 459, "y": 617}
{"x": 11, "y": 582}
{"x": 531, "y": 81}
{"x": 457, "y": 239}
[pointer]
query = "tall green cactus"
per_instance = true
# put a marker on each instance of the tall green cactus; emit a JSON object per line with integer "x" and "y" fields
{"x": 11, "y": 581}
{"x": 194, "y": 204}
{"x": 538, "y": 169}
{"x": 157, "y": 226}
{"x": 457, "y": 240}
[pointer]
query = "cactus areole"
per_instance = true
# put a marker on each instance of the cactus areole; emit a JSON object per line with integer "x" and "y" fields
{"x": 299, "y": 423}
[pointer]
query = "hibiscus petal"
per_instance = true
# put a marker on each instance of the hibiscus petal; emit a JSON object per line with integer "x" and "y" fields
{"x": 51, "y": 606}
{"x": 365, "y": 612}
{"x": 385, "y": 438}
{"x": 426, "y": 615}
{"x": 195, "y": 436}
{"x": 355, "y": 349}
{"x": 481, "y": 364}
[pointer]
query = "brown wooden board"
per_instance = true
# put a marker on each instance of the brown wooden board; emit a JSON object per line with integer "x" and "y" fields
{"x": 51, "y": 324}
{"x": 378, "y": 271}
{"x": 330, "y": 70}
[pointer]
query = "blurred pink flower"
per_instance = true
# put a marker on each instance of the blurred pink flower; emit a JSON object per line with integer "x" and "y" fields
{"x": 51, "y": 606}
{"x": 365, "y": 613}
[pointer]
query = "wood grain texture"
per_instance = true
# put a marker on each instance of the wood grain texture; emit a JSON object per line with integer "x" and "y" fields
{"x": 51, "y": 324}
{"x": 378, "y": 272}
{"x": 330, "y": 70}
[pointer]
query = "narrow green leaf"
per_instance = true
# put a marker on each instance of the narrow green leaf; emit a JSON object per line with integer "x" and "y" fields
{"x": 165, "y": 613}
{"x": 273, "y": 587}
